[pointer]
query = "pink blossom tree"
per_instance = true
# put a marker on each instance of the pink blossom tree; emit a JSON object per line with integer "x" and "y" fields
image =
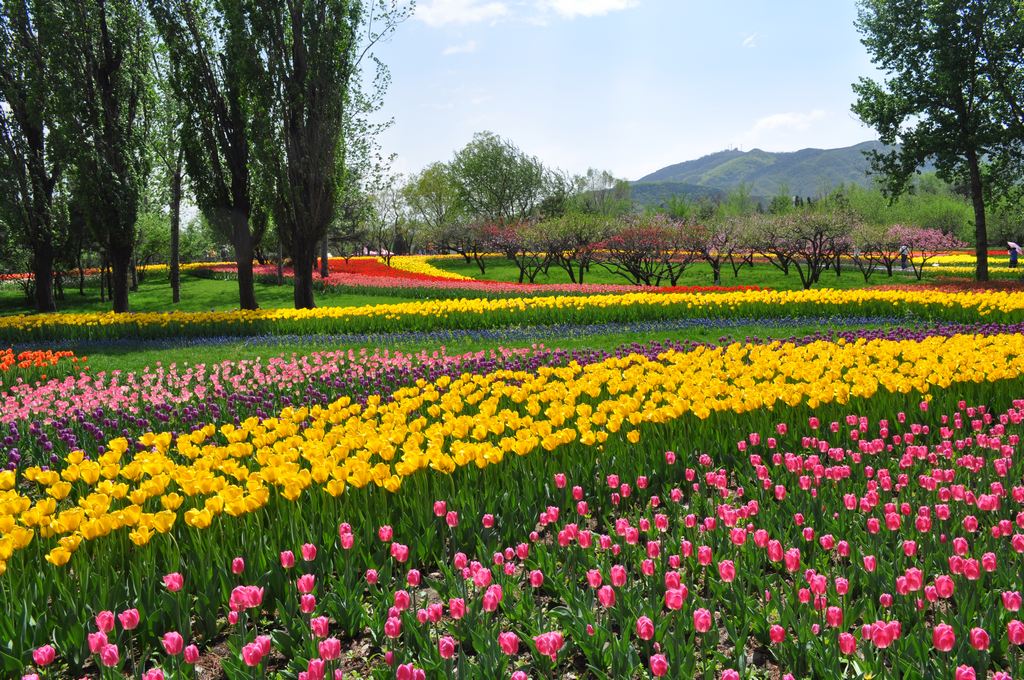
{"x": 922, "y": 244}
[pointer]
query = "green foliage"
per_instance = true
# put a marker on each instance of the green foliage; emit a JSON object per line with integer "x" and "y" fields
{"x": 311, "y": 54}
{"x": 940, "y": 98}
{"x": 598, "y": 192}
{"x": 496, "y": 181}
{"x": 32, "y": 145}
{"x": 105, "y": 52}
{"x": 929, "y": 203}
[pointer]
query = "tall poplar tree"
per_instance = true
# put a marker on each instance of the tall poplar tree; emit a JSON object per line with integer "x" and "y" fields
{"x": 31, "y": 158}
{"x": 215, "y": 74}
{"x": 105, "y": 50}
{"x": 951, "y": 71}
{"x": 313, "y": 51}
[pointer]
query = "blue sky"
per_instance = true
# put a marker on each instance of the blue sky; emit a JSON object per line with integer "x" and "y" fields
{"x": 623, "y": 85}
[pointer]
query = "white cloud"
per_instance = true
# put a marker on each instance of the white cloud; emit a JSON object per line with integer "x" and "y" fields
{"x": 793, "y": 120}
{"x": 445, "y": 12}
{"x": 750, "y": 41}
{"x": 587, "y": 8}
{"x": 464, "y": 48}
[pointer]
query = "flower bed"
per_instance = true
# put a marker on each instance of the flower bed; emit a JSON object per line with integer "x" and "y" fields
{"x": 488, "y": 444}
{"x": 19, "y": 368}
{"x": 414, "y": 273}
{"x": 492, "y": 313}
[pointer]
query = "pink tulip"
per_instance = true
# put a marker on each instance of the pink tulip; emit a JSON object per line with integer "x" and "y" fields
{"x": 153, "y": 674}
{"x": 674, "y": 598}
{"x": 105, "y": 621}
{"x": 307, "y": 604}
{"x": 315, "y": 669}
{"x": 847, "y": 644}
{"x": 308, "y": 552}
{"x": 174, "y": 582}
{"x": 97, "y": 641}
{"x": 44, "y": 656}
{"x": 776, "y": 634}
{"x": 330, "y": 649}
{"x": 402, "y": 600}
{"x": 393, "y": 627}
{"x": 488, "y": 521}
{"x": 943, "y": 637}
{"x": 399, "y": 552}
{"x": 191, "y": 654}
{"x": 457, "y": 607}
{"x": 509, "y": 643}
{"x": 440, "y": 508}
{"x": 320, "y": 626}
{"x": 287, "y": 559}
{"x": 173, "y": 643}
{"x": 110, "y": 656}
{"x": 446, "y": 646}
{"x": 979, "y": 639}
{"x": 536, "y": 578}
{"x": 252, "y": 655}
{"x": 492, "y": 597}
{"x": 727, "y": 570}
{"x": 549, "y": 644}
{"x": 606, "y": 596}
{"x": 730, "y": 674}
{"x": 702, "y": 620}
{"x": 659, "y": 665}
{"x": 1011, "y": 600}
{"x": 237, "y": 565}
{"x": 1015, "y": 632}
{"x": 306, "y": 583}
{"x": 644, "y": 628}
{"x": 409, "y": 672}
{"x": 385, "y": 533}
{"x": 964, "y": 672}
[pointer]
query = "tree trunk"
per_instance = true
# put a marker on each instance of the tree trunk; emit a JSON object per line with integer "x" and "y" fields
{"x": 325, "y": 269}
{"x": 134, "y": 267}
{"x": 81, "y": 272}
{"x": 175, "y": 269}
{"x": 120, "y": 261}
{"x": 303, "y": 255}
{"x": 980, "y": 230}
{"x": 242, "y": 241}
{"x": 42, "y": 270}
{"x": 280, "y": 262}
{"x": 103, "y": 278}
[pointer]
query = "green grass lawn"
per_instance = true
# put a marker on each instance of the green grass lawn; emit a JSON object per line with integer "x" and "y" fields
{"x": 197, "y": 295}
{"x": 699, "y": 274}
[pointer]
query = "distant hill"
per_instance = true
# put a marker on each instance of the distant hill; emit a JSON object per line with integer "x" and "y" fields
{"x": 808, "y": 172}
{"x": 658, "y": 193}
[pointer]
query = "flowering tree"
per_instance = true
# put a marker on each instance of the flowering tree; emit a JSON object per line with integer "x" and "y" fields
{"x": 572, "y": 240}
{"x": 809, "y": 241}
{"x": 523, "y": 243}
{"x": 723, "y": 240}
{"x": 650, "y": 250}
{"x": 923, "y": 244}
{"x": 875, "y": 247}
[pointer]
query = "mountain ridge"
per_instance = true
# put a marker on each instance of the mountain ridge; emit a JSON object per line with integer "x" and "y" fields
{"x": 805, "y": 172}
